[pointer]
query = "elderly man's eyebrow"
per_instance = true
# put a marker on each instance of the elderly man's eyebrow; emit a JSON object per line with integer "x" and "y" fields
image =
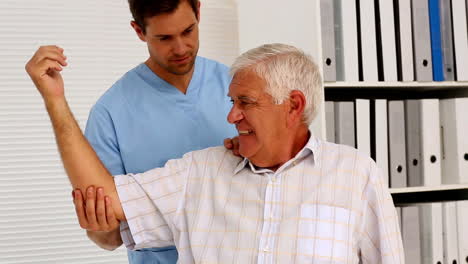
{"x": 243, "y": 98}
{"x": 247, "y": 98}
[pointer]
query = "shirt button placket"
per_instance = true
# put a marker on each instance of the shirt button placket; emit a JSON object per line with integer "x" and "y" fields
{"x": 273, "y": 208}
{"x": 265, "y": 241}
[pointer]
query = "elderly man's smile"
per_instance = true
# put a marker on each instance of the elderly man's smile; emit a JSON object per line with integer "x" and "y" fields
{"x": 245, "y": 132}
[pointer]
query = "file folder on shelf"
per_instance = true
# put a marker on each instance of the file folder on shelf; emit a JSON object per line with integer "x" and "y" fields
{"x": 387, "y": 41}
{"x": 368, "y": 40}
{"x": 330, "y": 121}
{"x": 421, "y": 40}
{"x": 397, "y": 143}
{"x": 430, "y": 142}
{"x": 447, "y": 40}
{"x": 431, "y": 233}
{"x": 405, "y": 40}
{"x": 454, "y": 123}
{"x": 449, "y": 220}
{"x": 413, "y": 143}
{"x": 436, "y": 41}
{"x": 339, "y": 63}
{"x": 411, "y": 234}
{"x": 344, "y": 123}
{"x": 363, "y": 126}
{"x": 460, "y": 39}
{"x": 347, "y": 67}
{"x": 462, "y": 230}
{"x": 381, "y": 136}
{"x": 328, "y": 40}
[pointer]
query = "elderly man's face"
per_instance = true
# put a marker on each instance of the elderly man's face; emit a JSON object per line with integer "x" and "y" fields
{"x": 261, "y": 123}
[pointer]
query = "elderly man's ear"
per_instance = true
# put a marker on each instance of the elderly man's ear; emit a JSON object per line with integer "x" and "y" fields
{"x": 297, "y": 102}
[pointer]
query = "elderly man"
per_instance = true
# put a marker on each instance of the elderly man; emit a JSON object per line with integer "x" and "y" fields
{"x": 292, "y": 199}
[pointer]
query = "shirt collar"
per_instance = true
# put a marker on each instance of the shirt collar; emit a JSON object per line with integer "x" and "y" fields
{"x": 310, "y": 150}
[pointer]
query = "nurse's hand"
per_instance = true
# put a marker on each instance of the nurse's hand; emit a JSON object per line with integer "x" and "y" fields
{"x": 96, "y": 213}
{"x": 232, "y": 144}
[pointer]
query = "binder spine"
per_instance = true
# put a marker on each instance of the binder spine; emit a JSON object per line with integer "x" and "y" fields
{"x": 436, "y": 43}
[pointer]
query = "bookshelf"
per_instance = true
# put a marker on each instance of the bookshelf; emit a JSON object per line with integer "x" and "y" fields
{"x": 343, "y": 91}
{"x": 410, "y": 196}
{"x": 422, "y": 86}
{"x": 349, "y": 91}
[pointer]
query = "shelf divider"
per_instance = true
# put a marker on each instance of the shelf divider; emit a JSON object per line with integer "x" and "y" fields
{"x": 429, "y": 194}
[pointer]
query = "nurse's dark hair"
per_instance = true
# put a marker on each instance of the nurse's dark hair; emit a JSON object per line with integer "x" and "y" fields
{"x": 143, "y": 9}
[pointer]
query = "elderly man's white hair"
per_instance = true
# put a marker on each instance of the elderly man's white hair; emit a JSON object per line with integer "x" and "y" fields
{"x": 284, "y": 69}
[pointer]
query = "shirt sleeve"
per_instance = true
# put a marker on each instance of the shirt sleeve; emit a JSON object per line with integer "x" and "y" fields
{"x": 381, "y": 237}
{"x": 151, "y": 202}
{"x": 100, "y": 132}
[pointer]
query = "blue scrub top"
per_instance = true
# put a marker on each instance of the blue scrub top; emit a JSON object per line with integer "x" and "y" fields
{"x": 142, "y": 121}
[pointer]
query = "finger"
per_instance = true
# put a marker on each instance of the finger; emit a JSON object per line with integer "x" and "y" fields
{"x": 48, "y": 67}
{"x": 228, "y": 143}
{"x": 39, "y": 70}
{"x": 110, "y": 214}
{"x": 235, "y": 146}
{"x": 53, "y": 48}
{"x": 50, "y": 55}
{"x": 101, "y": 209}
{"x": 50, "y": 47}
{"x": 79, "y": 209}
{"x": 90, "y": 207}
{"x": 43, "y": 68}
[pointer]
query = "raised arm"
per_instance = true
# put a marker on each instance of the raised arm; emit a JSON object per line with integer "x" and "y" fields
{"x": 81, "y": 163}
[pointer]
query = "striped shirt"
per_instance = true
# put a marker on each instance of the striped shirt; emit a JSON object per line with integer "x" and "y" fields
{"x": 329, "y": 204}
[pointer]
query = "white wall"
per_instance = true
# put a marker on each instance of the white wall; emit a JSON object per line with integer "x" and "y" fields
{"x": 294, "y": 22}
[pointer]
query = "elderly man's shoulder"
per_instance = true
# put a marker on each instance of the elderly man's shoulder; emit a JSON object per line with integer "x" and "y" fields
{"x": 214, "y": 156}
{"x": 348, "y": 159}
{"x": 343, "y": 151}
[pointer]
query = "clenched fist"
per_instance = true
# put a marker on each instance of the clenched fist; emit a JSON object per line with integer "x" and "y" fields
{"x": 44, "y": 69}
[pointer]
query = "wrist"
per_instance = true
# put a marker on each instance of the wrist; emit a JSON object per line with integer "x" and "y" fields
{"x": 56, "y": 106}
{"x": 52, "y": 102}
{"x": 107, "y": 240}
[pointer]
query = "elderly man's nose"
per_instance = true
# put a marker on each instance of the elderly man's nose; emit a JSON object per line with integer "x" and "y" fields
{"x": 235, "y": 115}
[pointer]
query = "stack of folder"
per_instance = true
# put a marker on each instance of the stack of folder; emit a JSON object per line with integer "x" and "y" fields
{"x": 420, "y": 142}
{"x": 417, "y": 142}
{"x": 394, "y": 40}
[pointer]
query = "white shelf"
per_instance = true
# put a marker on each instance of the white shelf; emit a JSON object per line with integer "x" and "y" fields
{"x": 429, "y": 194}
{"x": 373, "y": 85}
{"x": 343, "y": 91}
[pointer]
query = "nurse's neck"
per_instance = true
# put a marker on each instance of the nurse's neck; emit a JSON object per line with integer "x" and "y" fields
{"x": 180, "y": 81}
